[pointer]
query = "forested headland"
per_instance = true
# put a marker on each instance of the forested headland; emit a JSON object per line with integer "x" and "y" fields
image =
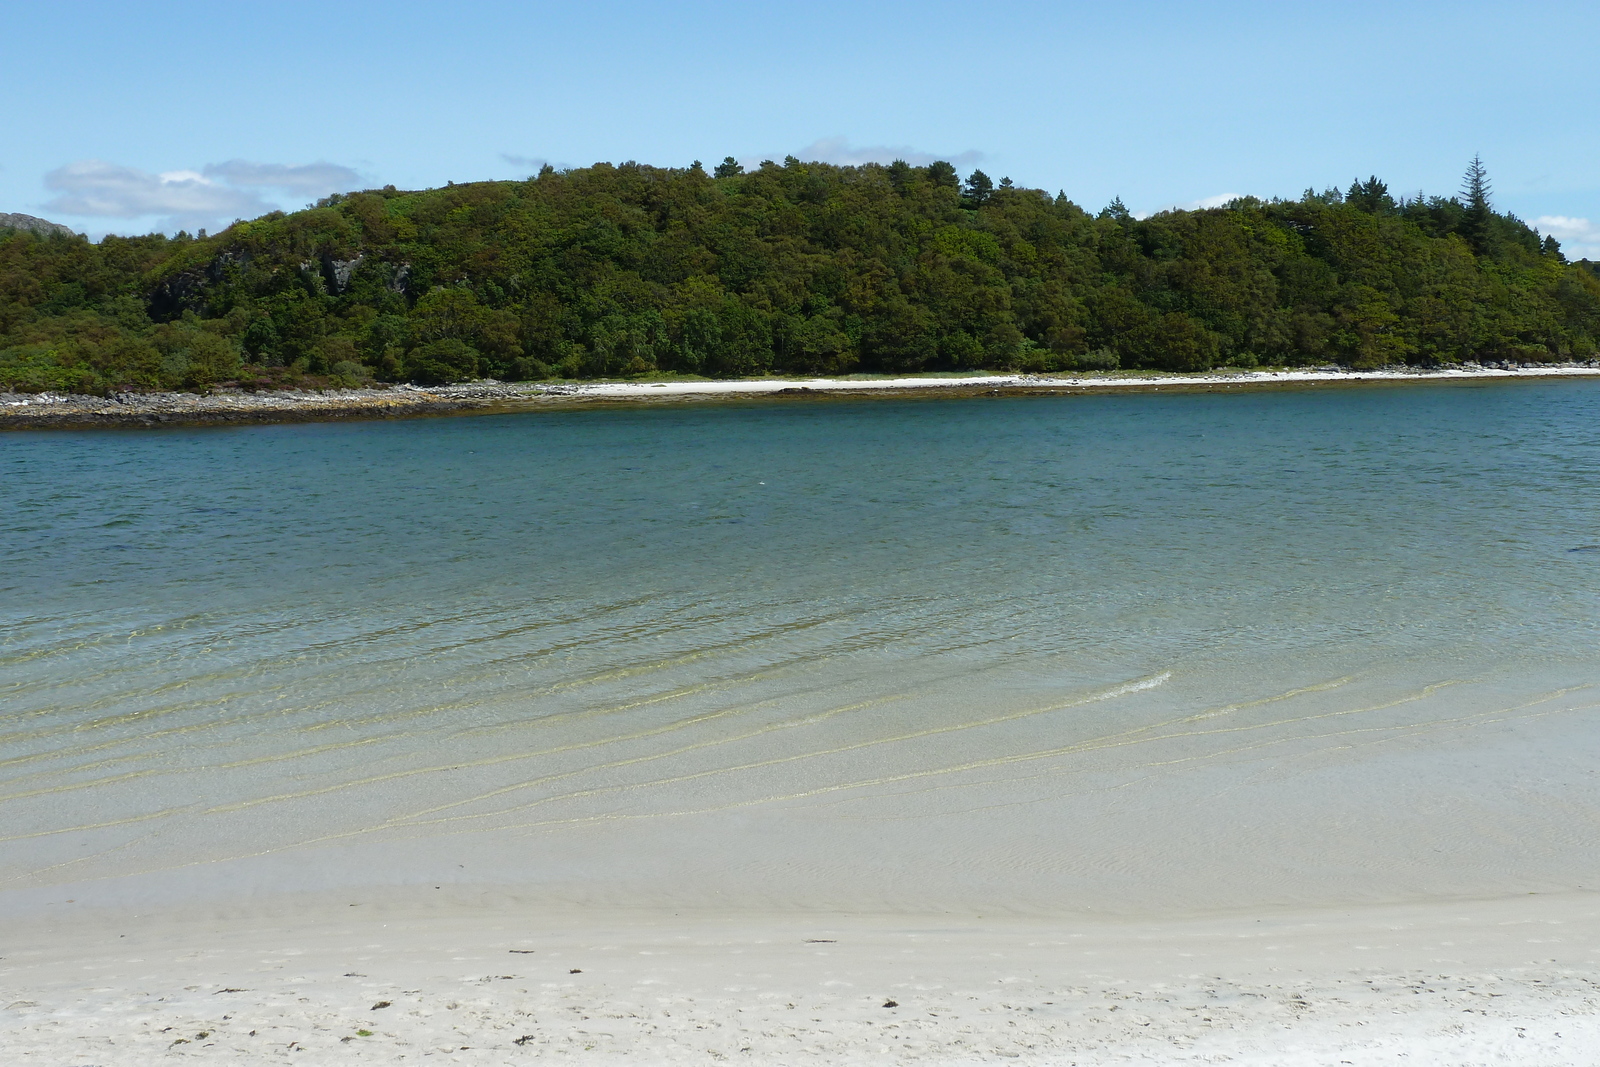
{"x": 790, "y": 268}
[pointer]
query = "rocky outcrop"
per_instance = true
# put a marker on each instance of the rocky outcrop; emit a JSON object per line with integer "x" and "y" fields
{"x": 180, "y": 291}
{"x": 186, "y": 289}
{"x": 338, "y": 271}
{"x": 42, "y": 227}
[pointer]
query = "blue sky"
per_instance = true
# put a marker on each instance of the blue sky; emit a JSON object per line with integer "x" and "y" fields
{"x": 127, "y": 117}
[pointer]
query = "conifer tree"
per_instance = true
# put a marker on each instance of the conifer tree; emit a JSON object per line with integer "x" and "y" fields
{"x": 1475, "y": 191}
{"x": 1371, "y": 196}
{"x": 900, "y": 175}
{"x": 943, "y": 174}
{"x": 980, "y": 187}
{"x": 1475, "y": 186}
{"x": 1118, "y": 211}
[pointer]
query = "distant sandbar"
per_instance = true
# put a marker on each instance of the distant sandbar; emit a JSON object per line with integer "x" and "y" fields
{"x": 47, "y": 410}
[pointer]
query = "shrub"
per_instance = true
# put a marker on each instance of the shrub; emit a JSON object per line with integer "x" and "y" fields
{"x": 441, "y": 362}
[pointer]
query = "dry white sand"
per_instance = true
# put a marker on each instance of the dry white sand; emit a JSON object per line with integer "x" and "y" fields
{"x": 486, "y": 980}
{"x": 1068, "y": 381}
{"x": 56, "y": 409}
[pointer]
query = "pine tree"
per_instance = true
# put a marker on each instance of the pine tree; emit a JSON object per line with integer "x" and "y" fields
{"x": 1371, "y": 196}
{"x": 1475, "y": 191}
{"x": 899, "y": 175}
{"x": 1117, "y": 211}
{"x": 979, "y": 188}
{"x": 1475, "y": 186}
{"x": 943, "y": 174}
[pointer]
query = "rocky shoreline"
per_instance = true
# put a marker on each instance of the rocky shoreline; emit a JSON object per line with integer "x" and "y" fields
{"x": 71, "y": 411}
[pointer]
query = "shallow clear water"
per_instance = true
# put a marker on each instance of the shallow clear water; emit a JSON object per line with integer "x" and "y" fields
{"x": 1142, "y": 650}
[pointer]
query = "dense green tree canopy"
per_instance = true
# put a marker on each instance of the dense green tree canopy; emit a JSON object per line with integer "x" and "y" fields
{"x": 787, "y": 268}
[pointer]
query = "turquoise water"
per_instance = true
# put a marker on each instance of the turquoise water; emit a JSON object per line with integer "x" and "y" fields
{"x": 1168, "y": 649}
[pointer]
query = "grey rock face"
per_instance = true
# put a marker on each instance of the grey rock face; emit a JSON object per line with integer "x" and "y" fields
{"x": 342, "y": 269}
{"x": 42, "y": 227}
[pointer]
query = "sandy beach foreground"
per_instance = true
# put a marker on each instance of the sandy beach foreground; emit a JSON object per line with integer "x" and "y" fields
{"x": 482, "y": 979}
{"x": 44, "y": 410}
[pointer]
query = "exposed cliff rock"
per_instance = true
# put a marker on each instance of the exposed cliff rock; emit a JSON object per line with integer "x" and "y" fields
{"x": 42, "y": 227}
{"x": 338, "y": 271}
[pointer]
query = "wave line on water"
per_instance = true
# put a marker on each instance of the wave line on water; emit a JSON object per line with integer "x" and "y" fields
{"x": 771, "y": 670}
{"x": 387, "y": 718}
{"x": 995, "y": 761}
{"x": 1400, "y": 729}
{"x": 1113, "y": 692}
{"x": 1117, "y": 740}
{"x": 575, "y": 746}
{"x": 409, "y": 772}
{"x": 1125, "y": 689}
{"x": 414, "y": 819}
{"x": 1109, "y": 694}
{"x": 266, "y": 664}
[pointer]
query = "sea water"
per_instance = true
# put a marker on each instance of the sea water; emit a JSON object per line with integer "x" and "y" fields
{"x": 1151, "y": 650}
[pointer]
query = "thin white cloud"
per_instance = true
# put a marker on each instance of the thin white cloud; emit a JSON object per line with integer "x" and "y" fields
{"x": 1580, "y": 238}
{"x": 314, "y": 180}
{"x": 95, "y": 188}
{"x": 1220, "y": 200}
{"x": 186, "y": 198}
{"x": 167, "y": 176}
{"x": 840, "y": 151}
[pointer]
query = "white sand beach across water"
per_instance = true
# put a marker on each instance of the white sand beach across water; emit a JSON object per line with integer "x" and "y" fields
{"x": 21, "y": 411}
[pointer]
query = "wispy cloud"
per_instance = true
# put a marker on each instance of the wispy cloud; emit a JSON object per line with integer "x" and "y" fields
{"x": 314, "y": 180}
{"x": 93, "y": 187}
{"x": 529, "y": 164}
{"x": 839, "y": 150}
{"x": 187, "y": 199}
{"x": 1580, "y": 238}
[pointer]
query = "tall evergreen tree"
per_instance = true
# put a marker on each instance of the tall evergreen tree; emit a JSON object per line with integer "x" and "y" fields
{"x": 1475, "y": 186}
{"x": 900, "y": 175}
{"x": 1475, "y": 191}
{"x": 1371, "y": 196}
{"x": 980, "y": 187}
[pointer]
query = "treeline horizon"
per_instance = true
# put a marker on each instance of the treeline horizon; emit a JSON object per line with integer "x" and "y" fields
{"x": 790, "y": 268}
